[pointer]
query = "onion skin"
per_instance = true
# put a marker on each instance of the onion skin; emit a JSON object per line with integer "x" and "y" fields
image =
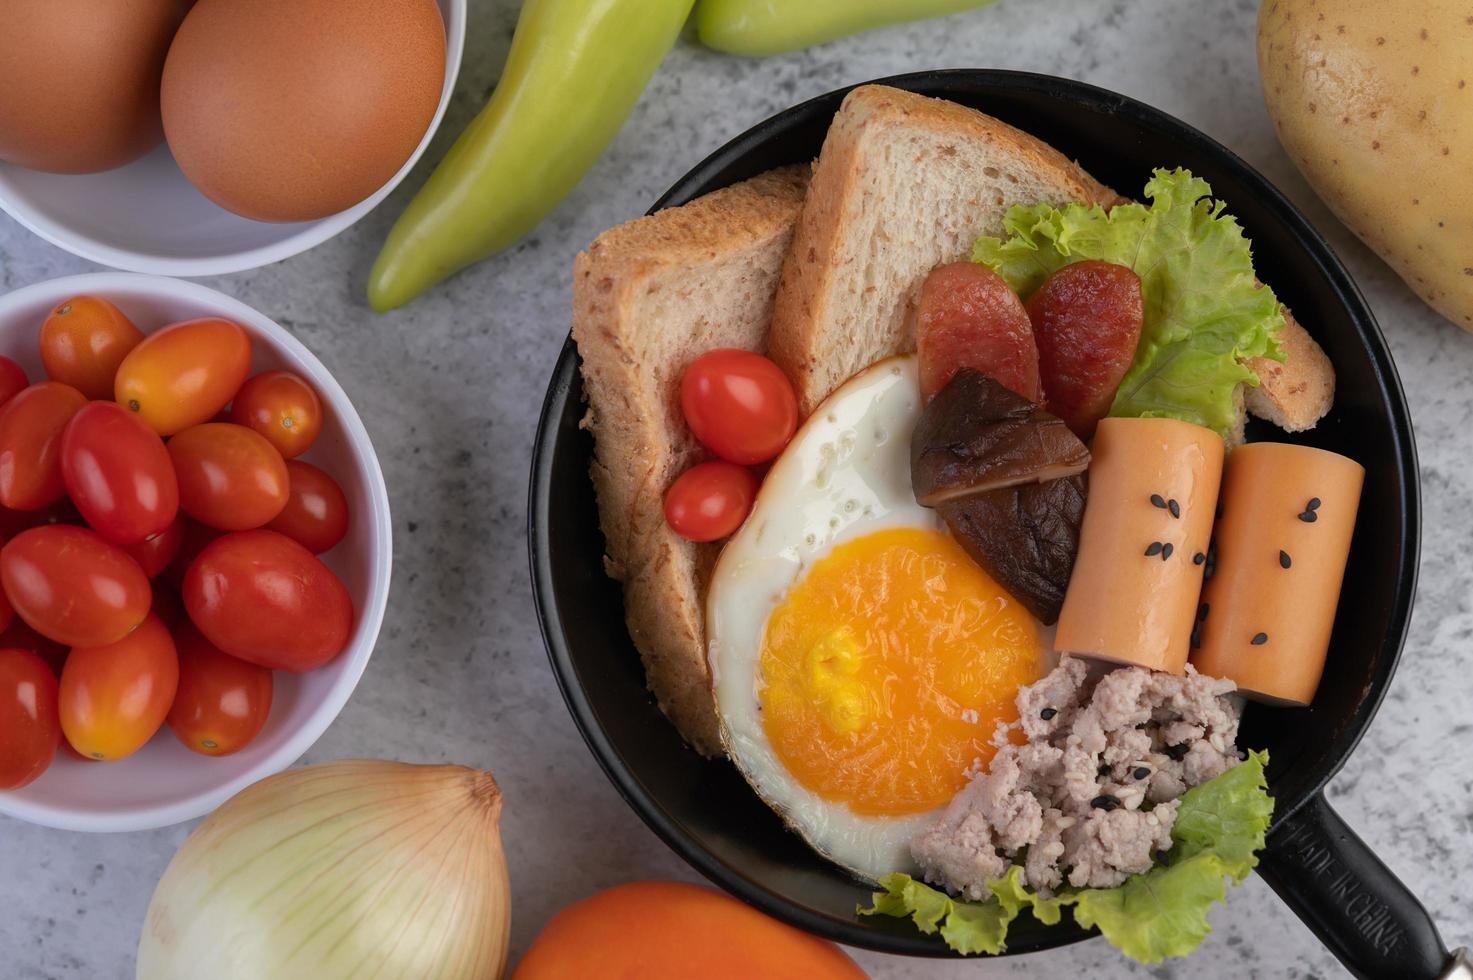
{"x": 342, "y": 870}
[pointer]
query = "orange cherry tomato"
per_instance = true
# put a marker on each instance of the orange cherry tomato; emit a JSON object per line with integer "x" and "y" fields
{"x": 154, "y": 553}
{"x": 72, "y": 586}
{"x": 260, "y": 596}
{"x": 82, "y": 343}
{"x": 31, "y": 425}
{"x": 118, "y": 473}
{"x": 114, "y": 697}
{"x": 669, "y": 930}
{"x": 710, "y": 500}
{"x": 282, "y": 407}
{"x": 222, "y": 701}
{"x": 230, "y": 477}
{"x": 30, "y": 724}
{"x": 739, "y": 405}
{"x": 316, "y": 512}
{"x": 13, "y": 379}
{"x": 183, "y": 374}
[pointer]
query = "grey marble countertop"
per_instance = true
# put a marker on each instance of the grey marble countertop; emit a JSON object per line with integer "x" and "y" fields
{"x": 449, "y": 388}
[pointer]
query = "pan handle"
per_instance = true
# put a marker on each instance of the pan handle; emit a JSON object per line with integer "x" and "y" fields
{"x": 1353, "y": 903}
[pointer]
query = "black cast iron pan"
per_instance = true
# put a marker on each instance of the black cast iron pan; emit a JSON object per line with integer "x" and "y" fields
{"x": 705, "y": 811}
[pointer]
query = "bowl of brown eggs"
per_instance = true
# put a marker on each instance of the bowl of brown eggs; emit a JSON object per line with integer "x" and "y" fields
{"x": 214, "y": 136}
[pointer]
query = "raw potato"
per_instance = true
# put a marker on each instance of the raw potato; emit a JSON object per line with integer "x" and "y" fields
{"x": 1374, "y": 102}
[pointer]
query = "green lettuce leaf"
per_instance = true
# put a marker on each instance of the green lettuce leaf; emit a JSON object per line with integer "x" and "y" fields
{"x": 1220, "y": 827}
{"x": 967, "y": 927}
{"x": 1205, "y": 313}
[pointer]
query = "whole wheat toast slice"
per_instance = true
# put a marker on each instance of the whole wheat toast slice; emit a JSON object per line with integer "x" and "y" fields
{"x": 649, "y": 296}
{"x": 903, "y": 184}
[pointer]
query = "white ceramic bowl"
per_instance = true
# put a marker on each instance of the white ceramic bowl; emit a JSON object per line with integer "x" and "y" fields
{"x": 165, "y": 783}
{"x": 146, "y": 217}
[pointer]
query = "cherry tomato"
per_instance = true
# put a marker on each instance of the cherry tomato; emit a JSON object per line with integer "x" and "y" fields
{"x": 73, "y": 587}
{"x": 222, "y": 702}
{"x": 154, "y": 553}
{"x": 30, "y": 726}
{"x": 82, "y": 343}
{"x": 739, "y": 405}
{"x": 31, "y": 424}
{"x": 316, "y": 512}
{"x": 118, "y": 473}
{"x": 19, "y": 636}
{"x": 13, "y": 379}
{"x": 114, "y": 697}
{"x": 230, "y": 477}
{"x": 282, "y": 407}
{"x": 196, "y": 536}
{"x": 167, "y": 606}
{"x": 710, "y": 500}
{"x": 184, "y": 373}
{"x": 260, "y": 596}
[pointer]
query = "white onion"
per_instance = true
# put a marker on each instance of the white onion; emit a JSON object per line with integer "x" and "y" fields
{"x": 343, "y": 870}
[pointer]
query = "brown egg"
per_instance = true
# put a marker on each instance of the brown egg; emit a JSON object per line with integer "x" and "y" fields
{"x": 292, "y": 110}
{"x": 79, "y": 81}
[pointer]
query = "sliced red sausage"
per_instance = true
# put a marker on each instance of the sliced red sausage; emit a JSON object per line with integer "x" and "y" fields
{"x": 1086, "y": 322}
{"x": 970, "y": 317}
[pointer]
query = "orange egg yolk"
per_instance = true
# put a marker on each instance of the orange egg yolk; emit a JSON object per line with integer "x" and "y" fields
{"x": 885, "y": 670}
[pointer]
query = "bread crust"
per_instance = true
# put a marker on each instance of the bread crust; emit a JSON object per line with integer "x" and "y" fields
{"x": 648, "y": 296}
{"x": 807, "y": 338}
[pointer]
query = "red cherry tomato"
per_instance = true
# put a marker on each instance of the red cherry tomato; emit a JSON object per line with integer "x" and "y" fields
{"x": 31, "y": 424}
{"x": 230, "y": 477}
{"x": 222, "y": 701}
{"x": 154, "y": 553}
{"x": 114, "y": 697}
{"x": 196, "y": 536}
{"x": 282, "y": 407}
{"x": 316, "y": 512}
{"x": 167, "y": 606}
{"x": 13, "y": 380}
{"x": 82, "y": 343}
{"x": 739, "y": 405}
{"x": 710, "y": 500}
{"x": 118, "y": 473}
{"x": 260, "y": 596}
{"x": 72, "y": 586}
{"x": 30, "y": 725}
{"x": 19, "y": 636}
{"x": 183, "y": 374}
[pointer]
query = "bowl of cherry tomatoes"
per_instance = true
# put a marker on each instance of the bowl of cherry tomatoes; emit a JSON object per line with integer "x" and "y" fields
{"x": 194, "y": 550}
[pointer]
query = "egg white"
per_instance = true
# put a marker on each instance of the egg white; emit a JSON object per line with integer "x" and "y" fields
{"x": 845, "y": 474}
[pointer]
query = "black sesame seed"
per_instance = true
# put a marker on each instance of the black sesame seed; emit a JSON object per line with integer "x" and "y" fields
{"x": 1175, "y": 508}
{"x": 1313, "y": 505}
{"x": 1158, "y": 501}
{"x": 1164, "y": 857}
{"x": 1153, "y": 549}
{"x": 1105, "y": 802}
{"x": 1176, "y": 753}
{"x": 1309, "y": 517}
{"x": 1202, "y": 611}
{"x": 1284, "y": 561}
{"x": 1198, "y": 558}
{"x": 1166, "y": 551}
{"x": 1259, "y": 639}
{"x": 1196, "y": 638}
{"x": 1141, "y": 772}
{"x": 1048, "y": 714}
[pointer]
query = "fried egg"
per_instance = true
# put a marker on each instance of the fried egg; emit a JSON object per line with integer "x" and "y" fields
{"x": 860, "y": 659}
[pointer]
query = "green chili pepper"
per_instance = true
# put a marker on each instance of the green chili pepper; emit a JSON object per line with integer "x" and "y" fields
{"x": 763, "y": 27}
{"x": 575, "y": 70}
